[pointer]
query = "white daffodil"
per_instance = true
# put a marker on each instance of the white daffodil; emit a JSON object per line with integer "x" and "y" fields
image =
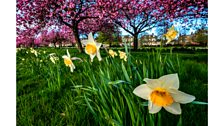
{"x": 68, "y": 61}
{"x": 123, "y": 55}
{"x": 163, "y": 92}
{"x": 53, "y": 57}
{"x": 33, "y": 51}
{"x": 18, "y": 49}
{"x": 112, "y": 53}
{"x": 171, "y": 34}
{"x": 92, "y": 48}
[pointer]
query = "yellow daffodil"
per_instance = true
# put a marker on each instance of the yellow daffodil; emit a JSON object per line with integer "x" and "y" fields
{"x": 171, "y": 34}
{"x": 68, "y": 61}
{"x": 123, "y": 55}
{"x": 53, "y": 57}
{"x": 92, "y": 48}
{"x": 163, "y": 92}
{"x": 112, "y": 53}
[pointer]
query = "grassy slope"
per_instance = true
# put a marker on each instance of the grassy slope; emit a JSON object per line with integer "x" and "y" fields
{"x": 43, "y": 94}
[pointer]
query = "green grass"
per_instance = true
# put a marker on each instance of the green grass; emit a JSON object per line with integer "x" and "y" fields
{"x": 100, "y": 93}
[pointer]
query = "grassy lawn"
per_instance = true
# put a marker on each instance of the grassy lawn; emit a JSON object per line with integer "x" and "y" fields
{"x": 100, "y": 93}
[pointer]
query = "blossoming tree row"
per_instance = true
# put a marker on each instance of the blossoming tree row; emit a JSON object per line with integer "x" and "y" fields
{"x": 82, "y": 16}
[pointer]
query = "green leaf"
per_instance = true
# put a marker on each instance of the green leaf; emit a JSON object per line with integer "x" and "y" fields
{"x": 125, "y": 73}
{"x": 199, "y": 103}
{"x": 179, "y": 122}
{"x": 118, "y": 82}
{"x": 89, "y": 106}
{"x": 144, "y": 104}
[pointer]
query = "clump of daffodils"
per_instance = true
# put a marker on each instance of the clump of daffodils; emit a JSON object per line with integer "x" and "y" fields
{"x": 53, "y": 58}
{"x": 123, "y": 55}
{"x": 68, "y": 61}
{"x": 171, "y": 34}
{"x": 163, "y": 92}
{"x": 112, "y": 53}
{"x": 92, "y": 48}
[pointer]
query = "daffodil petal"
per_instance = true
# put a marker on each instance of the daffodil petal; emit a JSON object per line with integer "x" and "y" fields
{"x": 90, "y": 37}
{"x": 76, "y": 58}
{"x": 91, "y": 57}
{"x": 174, "y": 108}
{"x": 152, "y": 83}
{"x": 84, "y": 42}
{"x": 98, "y": 45}
{"x": 147, "y": 79}
{"x": 181, "y": 97}
{"x": 169, "y": 40}
{"x": 149, "y": 105}
{"x": 98, "y": 55}
{"x": 142, "y": 91}
{"x": 71, "y": 69}
{"x": 68, "y": 54}
{"x": 170, "y": 81}
{"x": 73, "y": 66}
{"x": 154, "y": 109}
{"x": 52, "y": 54}
{"x": 64, "y": 56}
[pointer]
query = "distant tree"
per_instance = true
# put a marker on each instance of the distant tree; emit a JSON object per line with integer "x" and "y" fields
{"x": 109, "y": 36}
{"x": 201, "y": 36}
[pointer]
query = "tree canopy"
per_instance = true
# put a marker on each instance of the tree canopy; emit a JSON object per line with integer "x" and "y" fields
{"x": 84, "y": 16}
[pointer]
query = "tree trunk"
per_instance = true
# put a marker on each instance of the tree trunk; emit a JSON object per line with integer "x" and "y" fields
{"x": 77, "y": 39}
{"x": 135, "y": 42}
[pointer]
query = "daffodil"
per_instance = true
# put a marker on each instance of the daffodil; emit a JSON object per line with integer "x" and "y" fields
{"x": 92, "y": 48}
{"x": 112, "y": 53}
{"x": 17, "y": 50}
{"x": 171, "y": 34}
{"x": 53, "y": 57}
{"x": 33, "y": 51}
{"x": 163, "y": 92}
{"x": 123, "y": 55}
{"x": 68, "y": 61}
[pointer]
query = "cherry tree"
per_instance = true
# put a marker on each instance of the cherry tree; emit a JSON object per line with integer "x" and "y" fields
{"x": 59, "y": 36}
{"x": 137, "y": 16}
{"x": 46, "y": 13}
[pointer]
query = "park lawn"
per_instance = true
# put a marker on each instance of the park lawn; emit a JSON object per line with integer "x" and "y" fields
{"x": 49, "y": 94}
